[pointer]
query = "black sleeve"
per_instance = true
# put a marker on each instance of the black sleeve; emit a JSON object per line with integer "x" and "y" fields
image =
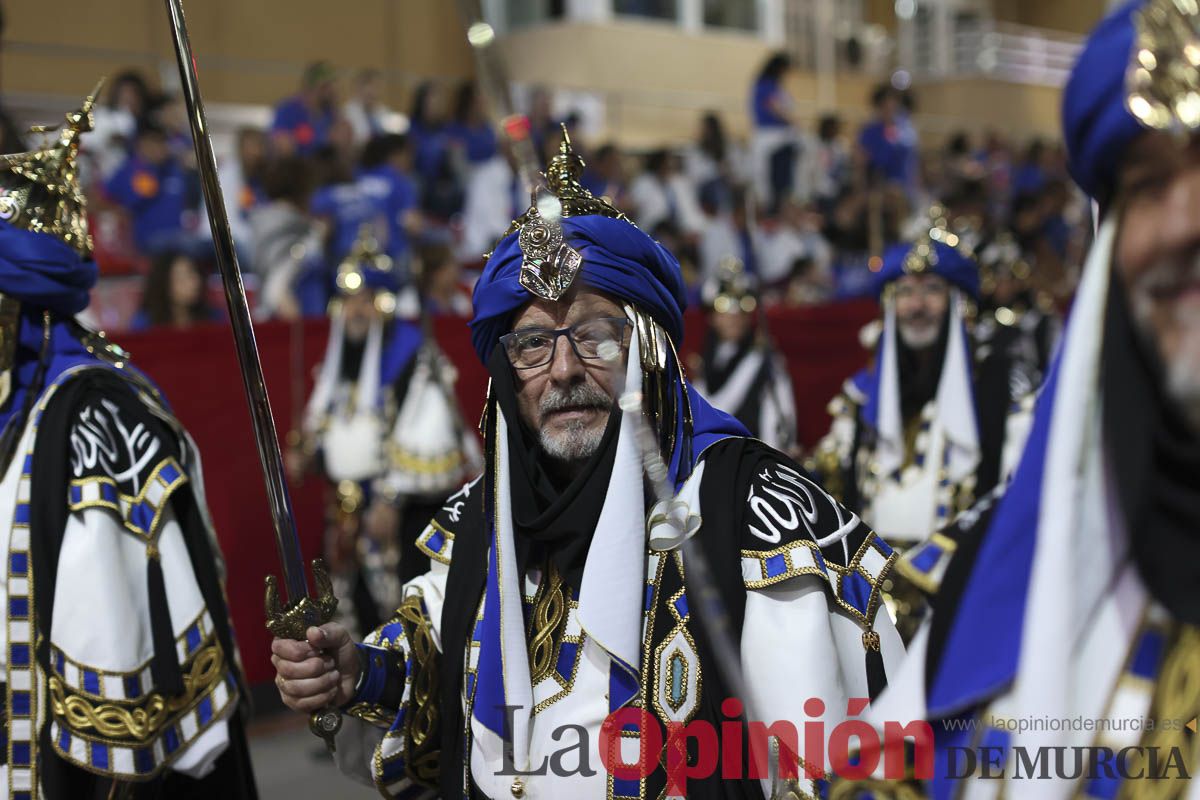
{"x": 462, "y": 511}
{"x": 783, "y": 524}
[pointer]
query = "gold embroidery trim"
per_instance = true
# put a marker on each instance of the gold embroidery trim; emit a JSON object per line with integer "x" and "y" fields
{"x": 422, "y": 720}
{"x": 424, "y": 465}
{"x": 1176, "y": 698}
{"x": 442, "y": 556}
{"x": 145, "y": 721}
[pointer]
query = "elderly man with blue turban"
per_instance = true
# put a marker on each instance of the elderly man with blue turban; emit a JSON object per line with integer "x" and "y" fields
{"x": 559, "y": 594}
{"x": 1069, "y": 618}
{"x": 120, "y": 674}
{"x": 928, "y": 427}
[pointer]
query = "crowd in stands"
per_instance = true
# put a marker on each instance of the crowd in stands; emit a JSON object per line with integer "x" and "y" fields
{"x": 806, "y": 208}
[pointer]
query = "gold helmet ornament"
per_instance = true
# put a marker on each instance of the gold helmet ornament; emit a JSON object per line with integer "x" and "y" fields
{"x": 368, "y": 267}
{"x": 1163, "y": 77}
{"x": 549, "y": 264}
{"x": 935, "y": 227}
{"x": 733, "y": 289}
{"x": 39, "y": 190}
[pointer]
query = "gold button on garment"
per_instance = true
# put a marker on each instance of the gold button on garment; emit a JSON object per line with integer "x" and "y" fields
{"x": 518, "y": 788}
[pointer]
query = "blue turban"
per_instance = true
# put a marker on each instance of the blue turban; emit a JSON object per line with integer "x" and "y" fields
{"x": 618, "y": 258}
{"x": 44, "y": 272}
{"x": 1097, "y": 126}
{"x": 960, "y": 270}
{"x": 380, "y": 280}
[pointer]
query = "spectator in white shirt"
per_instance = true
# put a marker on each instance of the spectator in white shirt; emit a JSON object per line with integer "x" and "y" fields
{"x": 365, "y": 111}
{"x": 662, "y": 195}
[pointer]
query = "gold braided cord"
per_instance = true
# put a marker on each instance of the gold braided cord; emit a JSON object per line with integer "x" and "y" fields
{"x": 144, "y": 721}
{"x": 548, "y": 616}
{"x": 421, "y": 726}
{"x": 373, "y": 714}
{"x": 1176, "y": 700}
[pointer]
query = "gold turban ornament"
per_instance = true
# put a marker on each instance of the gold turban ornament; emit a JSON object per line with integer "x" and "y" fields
{"x": 39, "y": 190}
{"x": 1163, "y": 79}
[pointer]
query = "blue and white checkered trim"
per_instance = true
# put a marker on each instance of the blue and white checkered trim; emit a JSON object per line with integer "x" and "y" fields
{"x": 135, "y": 684}
{"x": 767, "y": 568}
{"x": 21, "y": 673}
{"x": 856, "y": 587}
{"x": 22, "y": 700}
{"x": 141, "y": 514}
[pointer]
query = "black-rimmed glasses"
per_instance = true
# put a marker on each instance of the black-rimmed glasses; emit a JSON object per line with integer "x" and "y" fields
{"x": 600, "y": 338}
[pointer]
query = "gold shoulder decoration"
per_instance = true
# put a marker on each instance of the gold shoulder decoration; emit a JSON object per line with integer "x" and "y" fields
{"x": 39, "y": 190}
{"x": 1163, "y": 78}
{"x": 562, "y": 180}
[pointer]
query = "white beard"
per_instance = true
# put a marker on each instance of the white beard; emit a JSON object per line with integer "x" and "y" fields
{"x": 1182, "y": 368}
{"x": 1183, "y": 371}
{"x": 575, "y": 443}
{"x": 918, "y": 338}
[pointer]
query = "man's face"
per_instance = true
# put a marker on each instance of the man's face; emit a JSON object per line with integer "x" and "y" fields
{"x": 568, "y": 400}
{"x": 921, "y": 303}
{"x": 730, "y": 326}
{"x": 1158, "y": 256}
{"x": 359, "y": 312}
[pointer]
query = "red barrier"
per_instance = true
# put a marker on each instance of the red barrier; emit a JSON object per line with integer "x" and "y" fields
{"x": 197, "y": 369}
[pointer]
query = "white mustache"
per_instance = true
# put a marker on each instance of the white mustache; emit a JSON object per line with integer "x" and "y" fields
{"x": 581, "y": 395}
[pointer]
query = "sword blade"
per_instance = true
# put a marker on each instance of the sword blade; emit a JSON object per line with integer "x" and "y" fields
{"x": 282, "y": 517}
{"x": 494, "y": 85}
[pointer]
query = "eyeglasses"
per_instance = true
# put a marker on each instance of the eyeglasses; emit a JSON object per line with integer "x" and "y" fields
{"x": 591, "y": 339}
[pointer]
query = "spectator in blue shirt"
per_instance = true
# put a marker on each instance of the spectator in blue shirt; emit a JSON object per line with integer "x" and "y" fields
{"x": 604, "y": 175}
{"x": 1029, "y": 176}
{"x": 890, "y": 141}
{"x": 345, "y": 207}
{"x": 154, "y": 189}
{"x": 303, "y": 122}
{"x": 469, "y": 131}
{"x": 427, "y": 130}
{"x": 775, "y": 146}
{"x": 386, "y": 179}
{"x": 771, "y": 105}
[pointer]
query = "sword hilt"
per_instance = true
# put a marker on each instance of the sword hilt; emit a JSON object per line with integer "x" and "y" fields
{"x": 293, "y": 622}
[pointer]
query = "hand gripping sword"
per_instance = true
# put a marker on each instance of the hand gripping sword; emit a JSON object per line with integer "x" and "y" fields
{"x": 287, "y": 620}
